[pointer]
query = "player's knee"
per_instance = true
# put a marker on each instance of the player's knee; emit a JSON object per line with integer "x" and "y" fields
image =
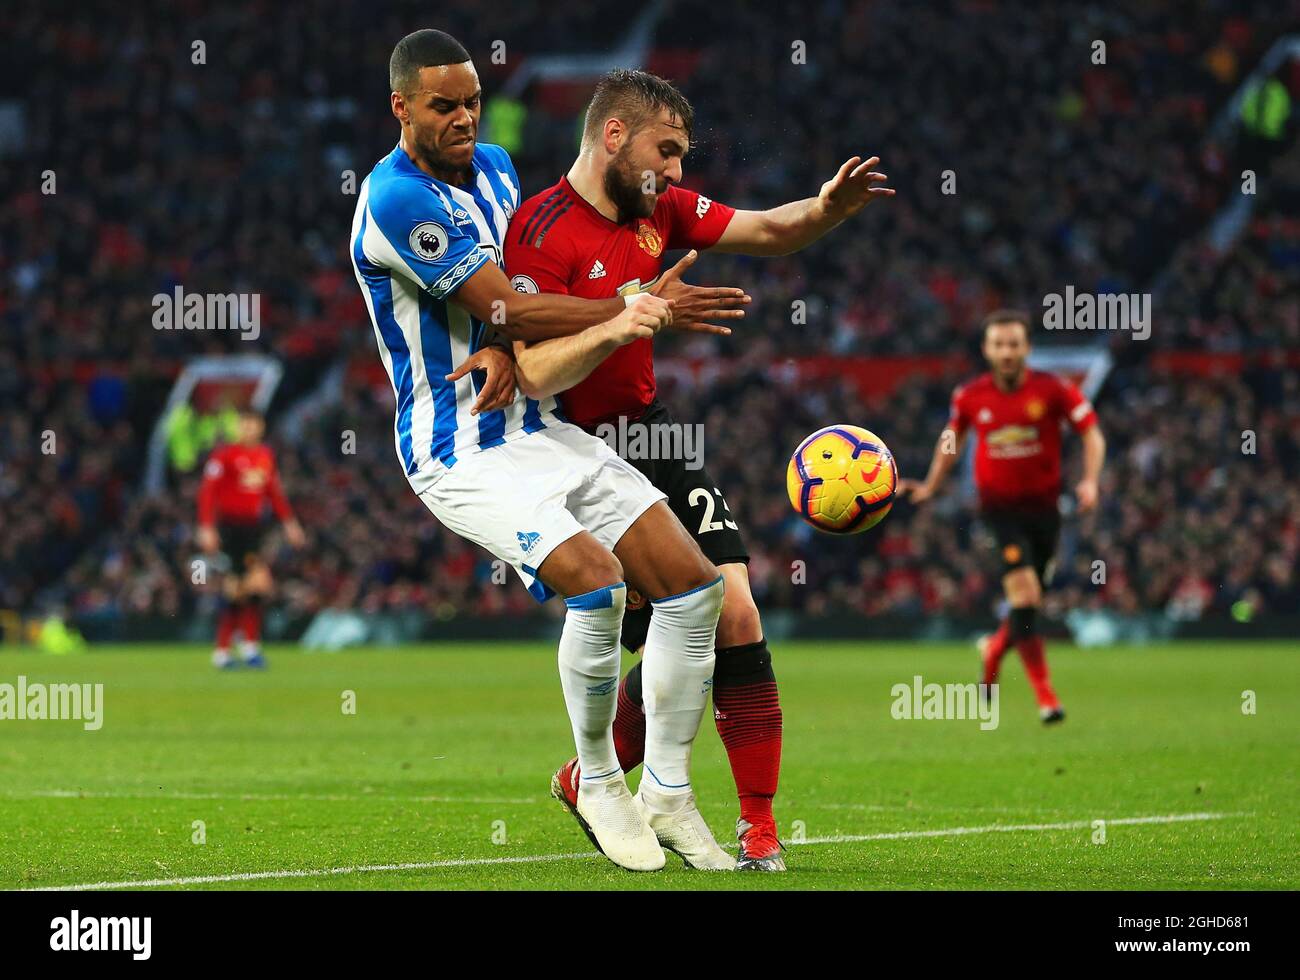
{"x": 740, "y": 622}
{"x": 603, "y": 570}
{"x": 703, "y": 599}
{"x": 1022, "y": 587}
{"x": 1032, "y": 592}
{"x": 702, "y": 575}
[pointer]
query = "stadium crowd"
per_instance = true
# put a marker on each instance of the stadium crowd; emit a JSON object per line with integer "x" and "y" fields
{"x": 230, "y": 174}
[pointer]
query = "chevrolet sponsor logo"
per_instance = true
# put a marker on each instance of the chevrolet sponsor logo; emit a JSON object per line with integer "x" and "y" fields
{"x": 1012, "y": 435}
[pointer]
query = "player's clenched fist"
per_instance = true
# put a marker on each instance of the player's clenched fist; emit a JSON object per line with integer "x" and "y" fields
{"x": 645, "y": 316}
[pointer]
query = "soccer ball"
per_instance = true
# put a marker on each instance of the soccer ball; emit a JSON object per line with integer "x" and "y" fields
{"x": 842, "y": 479}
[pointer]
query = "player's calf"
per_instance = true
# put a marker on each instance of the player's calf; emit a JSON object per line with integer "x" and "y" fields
{"x": 250, "y": 624}
{"x": 592, "y": 788}
{"x": 677, "y": 666}
{"x": 591, "y": 579}
{"x": 228, "y": 617}
{"x": 1023, "y": 623}
{"x": 747, "y": 713}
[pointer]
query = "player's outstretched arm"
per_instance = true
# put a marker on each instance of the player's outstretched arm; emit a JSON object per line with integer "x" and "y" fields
{"x": 946, "y": 453}
{"x": 1087, "y": 491}
{"x": 545, "y": 368}
{"x": 488, "y": 295}
{"x": 793, "y": 226}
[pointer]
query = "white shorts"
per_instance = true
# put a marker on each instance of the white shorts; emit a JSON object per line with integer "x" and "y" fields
{"x": 522, "y": 499}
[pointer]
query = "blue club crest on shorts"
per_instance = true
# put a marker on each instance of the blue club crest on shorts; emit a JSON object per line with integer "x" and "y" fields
{"x": 528, "y": 540}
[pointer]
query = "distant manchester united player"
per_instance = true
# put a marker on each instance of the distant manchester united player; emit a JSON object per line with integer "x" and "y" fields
{"x": 1017, "y": 414}
{"x": 239, "y": 480}
{"x": 602, "y": 231}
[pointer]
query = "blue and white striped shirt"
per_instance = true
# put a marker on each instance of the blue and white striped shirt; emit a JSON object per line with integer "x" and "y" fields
{"x": 415, "y": 240}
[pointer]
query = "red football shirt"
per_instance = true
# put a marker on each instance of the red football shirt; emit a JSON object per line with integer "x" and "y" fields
{"x": 559, "y": 243}
{"x": 238, "y": 481}
{"x": 1018, "y": 448}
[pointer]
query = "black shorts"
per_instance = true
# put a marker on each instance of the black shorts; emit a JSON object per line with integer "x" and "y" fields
{"x": 693, "y": 495}
{"x": 241, "y": 543}
{"x": 1025, "y": 538}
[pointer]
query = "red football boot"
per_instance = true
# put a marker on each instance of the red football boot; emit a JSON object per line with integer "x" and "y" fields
{"x": 759, "y": 848}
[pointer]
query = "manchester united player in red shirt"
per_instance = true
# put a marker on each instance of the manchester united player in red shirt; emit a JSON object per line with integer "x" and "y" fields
{"x": 239, "y": 479}
{"x": 1017, "y": 414}
{"x": 602, "y": 231}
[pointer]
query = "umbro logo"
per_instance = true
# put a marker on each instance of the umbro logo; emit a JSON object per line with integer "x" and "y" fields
{"x": 603, "y": 688}
{"x": 528, "y": 540}
{"x": 462, "y": 217}
{"x": 597, "y": 270}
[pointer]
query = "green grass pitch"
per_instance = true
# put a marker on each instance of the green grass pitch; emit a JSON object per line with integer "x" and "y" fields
{"x": 444, "y": 769}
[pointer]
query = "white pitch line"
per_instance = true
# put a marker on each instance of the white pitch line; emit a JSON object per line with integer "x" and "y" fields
{"x": 1011, "y": 828}
{"x": 586, "y": 855}
{"x": 313, "y": 872}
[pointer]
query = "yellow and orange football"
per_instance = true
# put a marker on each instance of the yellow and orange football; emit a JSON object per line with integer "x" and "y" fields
{"x": 842, "y": 479}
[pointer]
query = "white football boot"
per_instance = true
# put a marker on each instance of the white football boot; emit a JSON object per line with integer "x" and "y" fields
{"x": 678, "y": 825}
{"x": 614, "y": 823}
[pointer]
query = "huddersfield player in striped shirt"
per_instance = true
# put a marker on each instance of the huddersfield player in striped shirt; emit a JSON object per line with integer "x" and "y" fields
{"x": 507, "y": 472}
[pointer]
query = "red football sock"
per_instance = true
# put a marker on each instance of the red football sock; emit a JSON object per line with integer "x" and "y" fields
{"x": 747, "y": 711}
{"x": 251, "y": 622}
{"x": 226, "y": 621}
{"x": 995, "y": 651}
{"x": 1033, "y": 654}
{"x": 629, "y": 722}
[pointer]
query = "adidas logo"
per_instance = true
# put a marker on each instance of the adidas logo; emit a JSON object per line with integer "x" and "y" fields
{"x": 597, "y": 270}
{"x": 528, "y": 540}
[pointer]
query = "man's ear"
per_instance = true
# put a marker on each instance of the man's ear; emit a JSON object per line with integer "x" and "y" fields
{"x": 615, "y": 135}
{"x": 398, "y": 103}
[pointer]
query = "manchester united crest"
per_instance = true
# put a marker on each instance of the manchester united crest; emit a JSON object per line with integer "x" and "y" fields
{"x": 1035, "y": 409}
{"x": 648, "y": 238}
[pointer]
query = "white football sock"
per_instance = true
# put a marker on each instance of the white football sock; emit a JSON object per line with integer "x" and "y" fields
{"x": 676, "y": 674}
{"x": 589, "y": 662}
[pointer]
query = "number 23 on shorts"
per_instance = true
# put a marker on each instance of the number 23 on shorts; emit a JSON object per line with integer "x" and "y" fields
{"x": 701, "y": 495}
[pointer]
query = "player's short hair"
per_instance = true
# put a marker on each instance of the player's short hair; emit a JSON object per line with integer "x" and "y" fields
{"x": 422, "y": 49}
{"x": 1005, "y": 316}
{"x": 636, "y": 97}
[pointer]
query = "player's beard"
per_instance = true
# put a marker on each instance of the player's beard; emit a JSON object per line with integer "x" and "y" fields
{"x": 433, "y": 158}
{"x": 623, "y": 187}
